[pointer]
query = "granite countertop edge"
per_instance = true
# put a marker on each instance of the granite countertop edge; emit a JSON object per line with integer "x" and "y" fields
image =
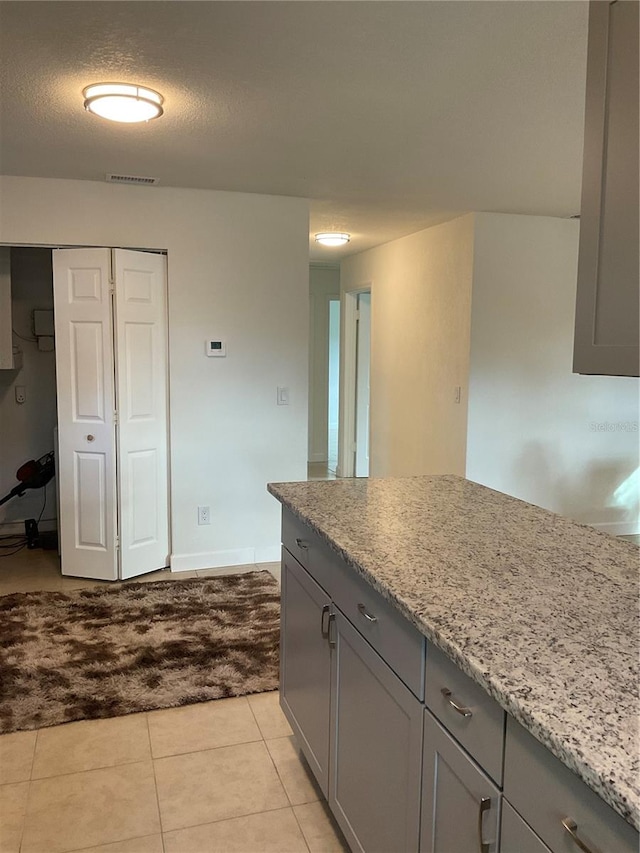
{"x": 568, "y": 754}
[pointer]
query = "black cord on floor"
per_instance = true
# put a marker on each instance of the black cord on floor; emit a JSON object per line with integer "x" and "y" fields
{"x": 11, "y": 553}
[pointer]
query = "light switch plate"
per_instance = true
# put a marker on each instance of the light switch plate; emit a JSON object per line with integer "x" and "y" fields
{"x": 283, "y": 395}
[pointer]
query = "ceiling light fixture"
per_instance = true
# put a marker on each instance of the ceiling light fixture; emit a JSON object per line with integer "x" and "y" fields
{"x": 332, "y": 238}
{"x": 124, "y": 102}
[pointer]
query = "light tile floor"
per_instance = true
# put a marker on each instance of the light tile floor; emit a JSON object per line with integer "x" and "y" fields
{"x": 217, "y": 777}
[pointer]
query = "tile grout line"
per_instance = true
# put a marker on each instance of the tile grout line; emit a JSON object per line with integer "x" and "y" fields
{"x": 155, "y": 781}
{"x": 233, "y": 817}
{"x": 89, "y": 770}
{"x": 291, "y": 806}
{"x": 304, "y": 837}
{"x": 255, "y": 718}
{"x": 31, "y": 780}
{"x": 108, "y": 843}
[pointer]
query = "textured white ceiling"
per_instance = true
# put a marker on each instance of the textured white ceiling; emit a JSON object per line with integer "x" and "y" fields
{"x": 389, "y": 116}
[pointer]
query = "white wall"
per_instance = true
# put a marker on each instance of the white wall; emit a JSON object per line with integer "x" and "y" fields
{"x": 238, "y": 270}
{"x": 420, "y": 304}
{"x": 324, "y": 284}
{"x": 26, "y": 430}
{"x": 536, "y": 430}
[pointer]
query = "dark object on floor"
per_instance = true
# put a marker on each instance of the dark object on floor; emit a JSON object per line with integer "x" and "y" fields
{"x": 49, "y": 540}
{"x": 34, "y": 474}
{"x": 109, "y": 651}
{"x": 32, "y": 533}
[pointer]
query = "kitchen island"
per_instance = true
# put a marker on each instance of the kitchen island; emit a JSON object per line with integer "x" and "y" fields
{"x": 538, "y": 611}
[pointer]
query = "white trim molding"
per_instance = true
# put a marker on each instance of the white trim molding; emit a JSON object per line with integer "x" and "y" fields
{"x": 224, "y": 559}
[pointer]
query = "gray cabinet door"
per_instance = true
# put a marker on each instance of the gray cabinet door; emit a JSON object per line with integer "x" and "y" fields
{"x": 607, "y": 328}
{"x": 305, "y": 664}
{"x": 376, "y": 746}
{"x": 460, "y": 805}
{"x": 516, "y": 835}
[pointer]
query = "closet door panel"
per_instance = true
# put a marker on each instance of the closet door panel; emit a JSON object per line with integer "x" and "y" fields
{"x": 85, "y": 464}
{"x": 141, "y": 392}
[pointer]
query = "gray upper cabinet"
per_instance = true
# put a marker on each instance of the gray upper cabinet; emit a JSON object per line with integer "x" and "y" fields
{"x": 460, "y": 804}
{"x": 607, "y": 310}
{"x": 374, "y": 790}
{"x": 305, "y": 665}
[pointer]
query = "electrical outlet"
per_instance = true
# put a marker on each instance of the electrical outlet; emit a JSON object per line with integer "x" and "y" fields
{"x": 21, "y": 394}
{"x": 204, "y": 515}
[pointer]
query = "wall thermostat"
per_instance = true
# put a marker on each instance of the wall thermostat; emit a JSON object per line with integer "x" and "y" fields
{"x": 216, "y": 349}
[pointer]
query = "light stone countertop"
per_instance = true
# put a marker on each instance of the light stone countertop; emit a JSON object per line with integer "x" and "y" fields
{"x": 540, "y": 611}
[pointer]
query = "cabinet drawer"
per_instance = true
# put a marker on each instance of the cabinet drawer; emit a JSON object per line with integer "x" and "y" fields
{"x": 297, "y": 538}
{"x": 546, "y": 793}
{"x": 390, "y": 633}
{"x": 517, "y": 836}
{"x": 479, "y": 722}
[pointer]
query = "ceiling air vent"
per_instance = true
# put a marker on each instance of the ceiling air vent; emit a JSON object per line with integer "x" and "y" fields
{"x": 131, "y": 179}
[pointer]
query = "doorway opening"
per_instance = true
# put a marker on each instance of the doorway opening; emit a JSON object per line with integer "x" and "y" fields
{"x": 353, "y": 449}
{"x": 84, "y": 341}
{"x": 333, "y": 404}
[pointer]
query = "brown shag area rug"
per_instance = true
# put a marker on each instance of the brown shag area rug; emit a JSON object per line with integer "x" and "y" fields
{"x": 110, "y": 651}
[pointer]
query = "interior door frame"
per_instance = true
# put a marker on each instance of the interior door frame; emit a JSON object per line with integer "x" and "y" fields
{"x": 158, "y": 251}
{"x": 348, "y": 367}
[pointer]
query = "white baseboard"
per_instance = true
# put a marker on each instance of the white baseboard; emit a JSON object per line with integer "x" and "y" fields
{"x": 618, "y": 528}
{"x": 12, "y": 528}
{"x": 223, "y": 559}
{"x": 268, "y": 554}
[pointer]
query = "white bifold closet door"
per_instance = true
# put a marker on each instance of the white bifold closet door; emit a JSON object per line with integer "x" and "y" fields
{"x": 111, "y": 362}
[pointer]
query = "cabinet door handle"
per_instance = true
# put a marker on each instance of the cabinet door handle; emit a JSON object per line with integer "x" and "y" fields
{"x": 324, "y": 625}
{"x": 302, "y": 544}
{"x": 90, "y": 437}
{"x": 368, "y": 616}
{"x": 572, "y": 828}
{"x": 332, "y": 621}
{"x": 465, "y": 712}
{"x": 485, "y": 805}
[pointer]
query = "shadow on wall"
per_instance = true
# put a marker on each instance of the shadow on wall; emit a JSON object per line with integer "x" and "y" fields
{"x": 593, "y": 494}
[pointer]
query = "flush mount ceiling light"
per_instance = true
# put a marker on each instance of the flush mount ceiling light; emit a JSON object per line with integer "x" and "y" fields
{"x": 332, "y": 238}
{"x": 123, "y": 102}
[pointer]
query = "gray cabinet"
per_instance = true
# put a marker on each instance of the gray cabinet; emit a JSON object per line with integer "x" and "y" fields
{"x": 556, "y": 804}
{"x": 305, "y": 665}
{"x": 400, "y": 777}
{"x": 460, "y": 804}
{"x": 516, "y": 836}
{"x": 374, "y": 789}
{"x": 607, "y": 308}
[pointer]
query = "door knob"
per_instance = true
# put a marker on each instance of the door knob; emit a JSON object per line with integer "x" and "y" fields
{"x": 90, "y": 437}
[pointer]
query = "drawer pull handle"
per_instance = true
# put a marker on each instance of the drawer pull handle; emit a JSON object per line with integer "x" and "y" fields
{"x": 572, "y": 828}
{"x": 324, "y": 625}
{"x": 485, "y": 805}
{"x": 363, "y": 610}
{"x": 302, "y": 544}
{"x": 332, "y": 621}
{"x": 466, "y": 712}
